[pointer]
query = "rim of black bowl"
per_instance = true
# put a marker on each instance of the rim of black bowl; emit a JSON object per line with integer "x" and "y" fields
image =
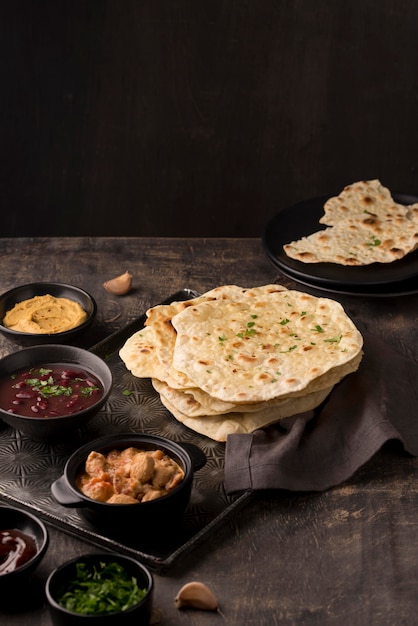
{"x": 94, "y": 557}
{"x": 62, "y": 335}
{"x": 41, "y": 547}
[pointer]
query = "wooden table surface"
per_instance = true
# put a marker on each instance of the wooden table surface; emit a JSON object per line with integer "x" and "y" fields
{"x": 345, "y": 556}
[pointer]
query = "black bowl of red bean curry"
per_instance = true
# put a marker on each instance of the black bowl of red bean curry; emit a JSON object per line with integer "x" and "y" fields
{"x": 48, "y": 391}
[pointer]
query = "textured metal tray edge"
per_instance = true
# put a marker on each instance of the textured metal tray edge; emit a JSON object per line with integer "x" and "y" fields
{"x": 155, "y": 563}
{"x": 111, "y": 342}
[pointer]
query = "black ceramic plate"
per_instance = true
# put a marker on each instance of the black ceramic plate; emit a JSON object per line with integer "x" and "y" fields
{"x": 27, "y": 468}
{"x": 301, "y": 220}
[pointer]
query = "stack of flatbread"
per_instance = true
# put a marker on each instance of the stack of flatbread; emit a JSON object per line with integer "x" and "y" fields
{"x": 234, "y": 360}
{"x": 365, "y": 225}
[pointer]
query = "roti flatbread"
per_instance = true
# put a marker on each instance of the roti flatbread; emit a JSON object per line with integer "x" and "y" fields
{"x": 362, "y": 199}
{"x": 149, "y": 352}
{"x": 358, "y": 242}
{"x": 195, "y": 402}
{"x": 365, "y": 226}
{"x": 236, "y": 359}
{"x": 240, "y": 352}
{"x": 218, "y": 427}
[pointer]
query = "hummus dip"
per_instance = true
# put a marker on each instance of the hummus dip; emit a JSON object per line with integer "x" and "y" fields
{"x": 45, "y": 315}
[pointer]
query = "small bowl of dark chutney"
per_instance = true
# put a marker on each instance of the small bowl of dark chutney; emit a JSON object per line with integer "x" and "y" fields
{"x": 100, "y": 589}
{"x": 24, "y": 541}
{"x": 45, "y": 313}
{"x": 48, "y": 391}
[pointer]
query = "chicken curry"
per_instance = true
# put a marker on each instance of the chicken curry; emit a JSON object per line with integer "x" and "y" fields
{"x": 129, "y": 476}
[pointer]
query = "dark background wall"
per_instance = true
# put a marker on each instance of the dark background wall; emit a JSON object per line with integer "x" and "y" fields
{"x": 199, "y": 117}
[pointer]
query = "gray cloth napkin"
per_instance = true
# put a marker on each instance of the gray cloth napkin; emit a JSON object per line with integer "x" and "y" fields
{"x": 322, "y": 448}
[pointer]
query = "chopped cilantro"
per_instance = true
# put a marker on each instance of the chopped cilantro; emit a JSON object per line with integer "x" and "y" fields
{"x": 48, "y": 387}
{"x": 374, "y": 242}
{"x": 289, "y": 350}
{"x": 334, "y": 339}
{"x": 249, "y": 331}
{"x": 102, "y": 589}
{"x": 43, "y": 371}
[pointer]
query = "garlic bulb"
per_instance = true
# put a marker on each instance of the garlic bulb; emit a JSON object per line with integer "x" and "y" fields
{"x": 196, "y": 595}
{"x": 120, "y": 285}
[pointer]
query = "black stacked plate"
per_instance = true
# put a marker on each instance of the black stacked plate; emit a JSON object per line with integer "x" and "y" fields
{"x": 378, "y": 279}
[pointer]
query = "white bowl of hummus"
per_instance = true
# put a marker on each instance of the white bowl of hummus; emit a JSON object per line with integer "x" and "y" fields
{"x": 45, "y": 313}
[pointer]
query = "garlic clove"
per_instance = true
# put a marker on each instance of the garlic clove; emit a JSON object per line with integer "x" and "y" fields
{"x": 120, "y": 285}
{"x": 196, "y": 595}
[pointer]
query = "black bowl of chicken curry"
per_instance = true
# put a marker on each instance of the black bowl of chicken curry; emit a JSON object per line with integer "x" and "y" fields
{"x": 129, "y": 481}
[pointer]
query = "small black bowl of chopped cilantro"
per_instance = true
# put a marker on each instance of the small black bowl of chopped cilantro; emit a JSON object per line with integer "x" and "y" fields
{"x": 49, "y": 391}
{"x": 100, "y": 589}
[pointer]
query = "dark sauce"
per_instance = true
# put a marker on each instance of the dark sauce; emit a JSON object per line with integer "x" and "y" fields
{"x": 50, "y": 390}
{"x": 16, "y": 549}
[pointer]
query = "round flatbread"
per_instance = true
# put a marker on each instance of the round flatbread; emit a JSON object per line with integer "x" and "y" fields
{"x": 366, "y": 226}
{"x": 359, "y": 241}
{"x": 149, "y": 353}
{"x": 269, "y": 347}
{"x": 194, "y": 402}
{"x": 218, "y": 427}
{"x": 363, "y": 198}
{"x": 236, "y": 359}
